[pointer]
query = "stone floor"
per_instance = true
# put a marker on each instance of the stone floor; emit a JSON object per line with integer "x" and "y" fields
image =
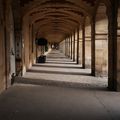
{"x": 57, "y": 90}
{"x": 61, "y": 71}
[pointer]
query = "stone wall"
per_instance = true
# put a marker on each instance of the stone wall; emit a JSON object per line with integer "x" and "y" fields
{"x": 72, "y": 46}
{"x": 10, "y": 43}
{"x": 7, "y": 46}
{"x": 62, "y": 47}
{"x": 101, "y": 42}
{"x": 88, "y": 43}
{"x": 2, "y": 50}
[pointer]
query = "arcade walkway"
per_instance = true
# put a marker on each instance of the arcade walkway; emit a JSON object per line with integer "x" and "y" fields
{"x": 59, "y": 90}
{"x": 61, "y": 71}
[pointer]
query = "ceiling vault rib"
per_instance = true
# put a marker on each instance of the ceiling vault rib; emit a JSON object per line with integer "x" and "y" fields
{"x": 56, "y": 19}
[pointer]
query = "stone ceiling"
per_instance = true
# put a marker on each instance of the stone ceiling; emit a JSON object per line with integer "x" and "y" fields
{"x": 56, "y": 19}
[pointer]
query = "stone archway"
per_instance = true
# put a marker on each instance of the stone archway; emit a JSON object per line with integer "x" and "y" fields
{"x": 101, "y": 41}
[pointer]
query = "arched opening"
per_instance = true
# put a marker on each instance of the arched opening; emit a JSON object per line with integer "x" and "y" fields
{"x": 101, "y": 42}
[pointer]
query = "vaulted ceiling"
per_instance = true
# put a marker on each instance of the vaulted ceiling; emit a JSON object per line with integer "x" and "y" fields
{"x": 56, "y": 19}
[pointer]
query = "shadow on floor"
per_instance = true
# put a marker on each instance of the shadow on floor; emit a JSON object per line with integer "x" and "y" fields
{"x": 69, "y": 63}
{"x": 58, "y": 60}
{"x": 57, "y": 57}
{"x": 58, "y": 72}
{"x": 83, "y": 86}
{"x": 55, "y": 66}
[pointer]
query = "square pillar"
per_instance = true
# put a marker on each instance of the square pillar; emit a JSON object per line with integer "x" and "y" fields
{"x": 71, "y": 48}
{"x": 83, "y": 46}
{"x": 78, "y": 46}
{"x": 74, "y": 48}
{"x": 93, "y": 46}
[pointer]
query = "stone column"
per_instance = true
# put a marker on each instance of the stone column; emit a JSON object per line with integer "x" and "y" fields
{"x": 19, "y": 42}
{"x": 36, "y": 50}
{"x": 70, "y": 45}
{"x": 3, "y": 71}
{"x": 30, "y": 44}
{"x": 87, "y": 43}
{"x": 33, "y": 45}
{"x": 65, "y": 47}
{"x": 78, "y": 46}
{"x": 71, "y": 48}
{"x": 93, "y": 46}
{"x": 74, "y": 48}
{"x": 62, "y": 46}
{"x": 101, "y": 42}
{"x": 19, "y": 51}
{"x": 83, "y": 46}
{"x": 112, "y": 57}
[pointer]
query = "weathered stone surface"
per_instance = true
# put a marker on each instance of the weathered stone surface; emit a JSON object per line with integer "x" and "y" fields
{"x": 101, "y": 42}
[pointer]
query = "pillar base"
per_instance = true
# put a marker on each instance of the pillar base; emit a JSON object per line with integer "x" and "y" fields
{"x": 113, "y": 85}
